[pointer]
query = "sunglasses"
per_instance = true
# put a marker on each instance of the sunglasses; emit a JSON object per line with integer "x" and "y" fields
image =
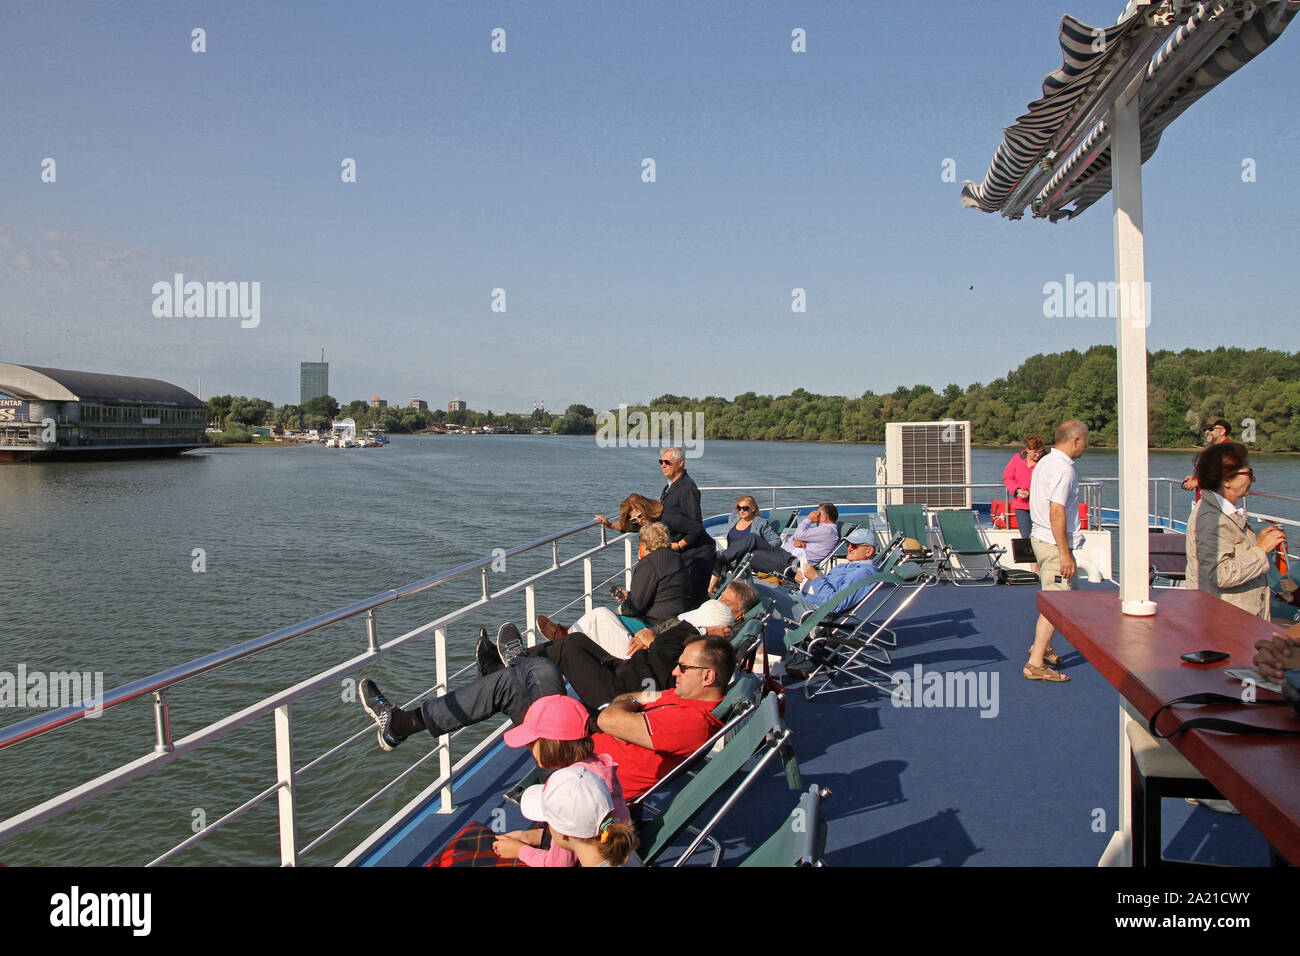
{"x": 1249, "y": 472}
{"x": 666, "y": 461}
{"x": 690, "y": 667}
{"x": 744, "y": 508}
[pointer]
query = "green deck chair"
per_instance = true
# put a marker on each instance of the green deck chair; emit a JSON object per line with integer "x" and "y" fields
{"x": 748, "y": 638}
{"x": 909, "y": 520}
{"x": 843, "y": 648}
{"x": 764, "y": 734}
{"x": 781, "y": 520}
{"x": 801, "y": 840}
{"x": 961, "y": 539}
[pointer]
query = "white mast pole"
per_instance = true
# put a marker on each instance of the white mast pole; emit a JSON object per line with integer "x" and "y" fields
{"x": 1132, "y": 318}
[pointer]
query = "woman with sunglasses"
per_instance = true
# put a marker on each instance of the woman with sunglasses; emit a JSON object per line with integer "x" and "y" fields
{"x": 1224, "y": 555}
{"x": 747, "y": 531}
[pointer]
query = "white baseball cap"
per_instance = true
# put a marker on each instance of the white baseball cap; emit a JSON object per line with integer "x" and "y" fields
{"x": 574, "y": 801}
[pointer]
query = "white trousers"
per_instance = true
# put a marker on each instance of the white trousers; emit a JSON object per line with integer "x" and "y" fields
{"x": 605, "y": 628}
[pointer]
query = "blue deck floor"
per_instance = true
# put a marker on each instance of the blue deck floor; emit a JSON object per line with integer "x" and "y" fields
{"x": 1034, "y": 785}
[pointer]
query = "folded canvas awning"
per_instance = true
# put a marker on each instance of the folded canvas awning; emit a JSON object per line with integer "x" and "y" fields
{"x": 1055, "y": 160}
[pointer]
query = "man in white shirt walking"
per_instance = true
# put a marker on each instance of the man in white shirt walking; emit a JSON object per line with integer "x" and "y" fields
{"x": 1054, "y": 511}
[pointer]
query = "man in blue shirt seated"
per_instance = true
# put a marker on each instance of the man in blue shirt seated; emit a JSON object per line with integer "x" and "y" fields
{"x": 816, "y": 588}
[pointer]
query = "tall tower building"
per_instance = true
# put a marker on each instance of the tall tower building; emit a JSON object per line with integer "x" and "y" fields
{"x": 314, "y": 379}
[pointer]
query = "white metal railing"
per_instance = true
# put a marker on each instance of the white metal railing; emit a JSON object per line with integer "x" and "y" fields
{"x": 166, "y": 749}
{"x": 1089, "y": 492}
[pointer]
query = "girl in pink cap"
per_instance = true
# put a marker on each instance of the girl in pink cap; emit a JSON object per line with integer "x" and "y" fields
{"x": 555, "y": 731}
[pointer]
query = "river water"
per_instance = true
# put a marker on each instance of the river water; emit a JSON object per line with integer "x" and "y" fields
{"x": 127, "y": 568}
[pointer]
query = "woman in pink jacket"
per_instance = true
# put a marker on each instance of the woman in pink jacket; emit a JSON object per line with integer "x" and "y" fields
{"x": 1016, "y": 477}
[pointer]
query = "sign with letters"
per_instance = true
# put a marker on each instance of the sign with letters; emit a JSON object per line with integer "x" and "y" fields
{"x": 13, "y": 410}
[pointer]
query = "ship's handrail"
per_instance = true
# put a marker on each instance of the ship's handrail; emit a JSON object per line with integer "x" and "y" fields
{"x": 1089, "y": 491}
{"x": 159, "y": 682}
{"x": 167, "y": 750}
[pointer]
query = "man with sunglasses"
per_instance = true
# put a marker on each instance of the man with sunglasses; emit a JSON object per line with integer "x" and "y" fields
{"x": 650, "y": 732}
{"x": 695, "y": 546}
{"x": 1216, "y": 431}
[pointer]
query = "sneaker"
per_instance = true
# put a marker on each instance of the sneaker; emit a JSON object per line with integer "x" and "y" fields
{"x": 378, "y": 707}
{"x": 485, "y": 654}
{"x": 510, "y": 643}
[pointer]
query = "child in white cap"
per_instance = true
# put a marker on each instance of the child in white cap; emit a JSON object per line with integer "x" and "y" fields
{"x": 576, "y": 805}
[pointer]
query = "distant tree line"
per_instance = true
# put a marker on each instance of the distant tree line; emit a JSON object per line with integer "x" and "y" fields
{"x": 237, "y": 412}
{"x": 1257, "y": 390}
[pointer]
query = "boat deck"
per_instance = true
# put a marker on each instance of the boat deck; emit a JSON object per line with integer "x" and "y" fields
{"x": 1033, "y": 784}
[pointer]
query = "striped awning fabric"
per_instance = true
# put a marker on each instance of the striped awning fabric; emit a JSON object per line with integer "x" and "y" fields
{"x": 1180, "y": 72}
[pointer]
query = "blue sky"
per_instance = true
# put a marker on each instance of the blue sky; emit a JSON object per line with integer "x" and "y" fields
{"x": 522, "y": 171}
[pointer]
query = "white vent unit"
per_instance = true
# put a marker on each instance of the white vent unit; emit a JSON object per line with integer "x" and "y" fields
{"x": 928, "y": 453}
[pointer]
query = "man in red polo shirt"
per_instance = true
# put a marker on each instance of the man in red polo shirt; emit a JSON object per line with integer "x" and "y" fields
{"x": 650, "y": 732}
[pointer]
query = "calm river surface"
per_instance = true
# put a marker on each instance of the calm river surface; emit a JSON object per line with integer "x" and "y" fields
{"x": 98, "y": 562}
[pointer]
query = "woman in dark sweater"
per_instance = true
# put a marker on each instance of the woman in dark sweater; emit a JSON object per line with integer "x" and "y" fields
{"x": 659, "y": 584}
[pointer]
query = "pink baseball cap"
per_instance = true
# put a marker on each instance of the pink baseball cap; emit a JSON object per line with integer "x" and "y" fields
{"x": 557, "y": 717}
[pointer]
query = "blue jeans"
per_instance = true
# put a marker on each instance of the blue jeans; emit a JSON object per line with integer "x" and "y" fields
{"x": 789, "y": 603}
{"x": 508, "y": 691}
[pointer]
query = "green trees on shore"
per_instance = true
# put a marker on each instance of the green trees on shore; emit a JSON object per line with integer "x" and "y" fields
{"x": 1257, "y": 390}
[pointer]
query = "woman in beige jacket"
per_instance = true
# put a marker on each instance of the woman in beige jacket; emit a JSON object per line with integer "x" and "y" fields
{"x": 1224, "y": 556}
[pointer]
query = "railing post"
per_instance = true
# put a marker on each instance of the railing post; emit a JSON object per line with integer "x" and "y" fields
{"x": 444, "y": 741}
{"x": 486, "y": 592}
{"x": 530, "y": 614}
{"x": 162, "y": 721}
{"x": 774, "y": 499}
{"x": 284, "y": 775}
{"x": 372, "y": 633}
{"x": 627, "y": 563}
{"x": 555, "y": 554}
{"x": 586, "y": 582}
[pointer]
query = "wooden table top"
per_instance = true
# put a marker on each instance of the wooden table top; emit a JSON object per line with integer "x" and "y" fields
{"x": 1140, "y": 656}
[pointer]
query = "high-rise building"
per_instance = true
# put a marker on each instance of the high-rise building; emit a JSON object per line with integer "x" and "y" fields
{"x": 419, "y": 403}
{"x": 315, "y": 380}
{"x": 457, "y": 405}
{"x": 378, "y": 402}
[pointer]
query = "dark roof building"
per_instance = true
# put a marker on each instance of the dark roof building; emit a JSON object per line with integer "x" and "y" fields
{"x": 61, "y": 413}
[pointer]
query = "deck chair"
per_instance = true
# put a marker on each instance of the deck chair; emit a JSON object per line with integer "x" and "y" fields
{"x": 909, "y": 520}
{"x": 748, "y": 638}
{"x": 850, "y": 647}
{"x": 801, "y": 840}
{"x": 1168, "y": 557}
{"x": 782, "y": 520}
{"x": 764, "y": 734}
{"x": 961, "y": 540}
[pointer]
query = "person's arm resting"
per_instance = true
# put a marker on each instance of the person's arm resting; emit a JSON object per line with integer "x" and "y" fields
{"x": 623, "y": 719}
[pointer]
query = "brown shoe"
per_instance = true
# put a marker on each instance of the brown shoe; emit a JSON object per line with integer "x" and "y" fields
{"x": 550, "y": 630}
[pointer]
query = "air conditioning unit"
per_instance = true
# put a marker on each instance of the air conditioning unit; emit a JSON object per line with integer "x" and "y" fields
{"x": 928, "y": 453}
